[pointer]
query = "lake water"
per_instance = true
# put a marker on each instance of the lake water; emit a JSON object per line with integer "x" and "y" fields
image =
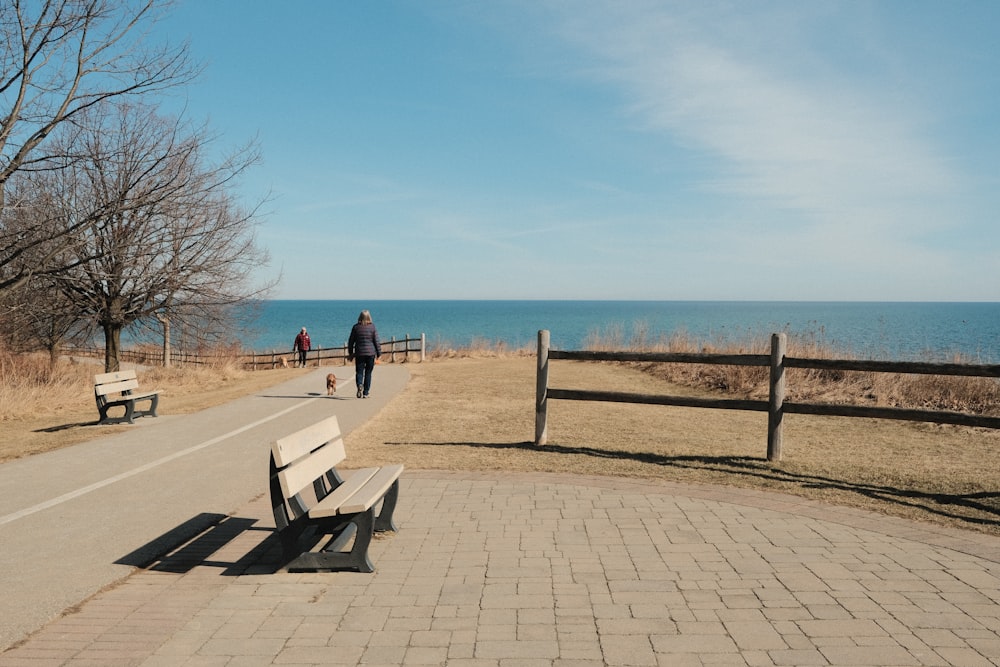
{"x": 900, "y": 331}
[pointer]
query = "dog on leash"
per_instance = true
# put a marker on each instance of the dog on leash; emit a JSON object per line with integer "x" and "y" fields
{"x": 331, "y": 384}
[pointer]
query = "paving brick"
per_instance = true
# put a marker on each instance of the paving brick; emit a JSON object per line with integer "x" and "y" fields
{"x": 504, "y": 650}
{"x": 868, "y": 655}
{"x": 623, "y": 650}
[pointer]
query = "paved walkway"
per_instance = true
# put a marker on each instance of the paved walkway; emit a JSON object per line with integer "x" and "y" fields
{"x": 524, "y": 570}
{"x": 76, "y": 520}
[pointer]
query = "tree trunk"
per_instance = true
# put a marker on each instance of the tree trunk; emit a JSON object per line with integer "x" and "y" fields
{"x": 112, "y": 344}
{"x": 53, "y": 357}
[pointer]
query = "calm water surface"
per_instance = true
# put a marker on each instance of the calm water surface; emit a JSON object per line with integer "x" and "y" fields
{"x": 904, "y": 331}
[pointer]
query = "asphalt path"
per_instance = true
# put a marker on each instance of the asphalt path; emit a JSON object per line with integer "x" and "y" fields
{"x": 76, "y": 520}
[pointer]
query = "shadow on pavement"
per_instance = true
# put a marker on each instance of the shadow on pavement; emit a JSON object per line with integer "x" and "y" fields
{"x": 206, "y": 540}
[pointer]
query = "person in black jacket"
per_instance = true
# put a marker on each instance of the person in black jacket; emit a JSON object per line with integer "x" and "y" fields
{"x": 363, "y": 346}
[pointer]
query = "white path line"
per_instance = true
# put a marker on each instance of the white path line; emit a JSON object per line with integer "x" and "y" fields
{"x": 143, "y": 468}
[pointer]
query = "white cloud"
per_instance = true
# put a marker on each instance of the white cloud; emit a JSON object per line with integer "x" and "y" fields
{"x": 800, "y": 137}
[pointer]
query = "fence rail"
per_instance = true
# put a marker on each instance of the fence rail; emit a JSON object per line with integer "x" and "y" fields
{"x": 392, "y": 349}
{"x": 776, "y": 406}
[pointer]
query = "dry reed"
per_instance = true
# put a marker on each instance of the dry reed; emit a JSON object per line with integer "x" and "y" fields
{"x": 974, "y": 395}
{"x": 30, "y": 386}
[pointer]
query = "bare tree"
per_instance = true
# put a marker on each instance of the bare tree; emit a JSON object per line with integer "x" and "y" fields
{"x": 39, "y": 316}
{"x": 38, "y": 226}
{"x": 59, "y": 58}
{"x": 42, "y": 318}
{"x": 168, "y": 238}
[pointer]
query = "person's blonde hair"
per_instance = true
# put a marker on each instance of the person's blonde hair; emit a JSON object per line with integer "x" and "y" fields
{"x": 365, "y": 317}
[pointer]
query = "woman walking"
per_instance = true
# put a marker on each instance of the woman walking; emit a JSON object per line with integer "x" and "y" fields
{"x": 363, "y": 345}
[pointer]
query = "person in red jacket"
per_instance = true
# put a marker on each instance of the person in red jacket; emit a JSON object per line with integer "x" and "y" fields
{"x": 302, "y": 345}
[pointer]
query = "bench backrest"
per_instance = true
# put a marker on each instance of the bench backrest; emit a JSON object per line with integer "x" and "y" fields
{"x": 117, "y": 376}
{"x": 307, "y": 455}
{"x": 112, "y": 383}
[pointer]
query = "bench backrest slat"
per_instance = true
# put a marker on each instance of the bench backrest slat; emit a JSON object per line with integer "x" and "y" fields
{"x": 302, "y": 442}
{"x": 114, "y": 387}
{"x": 117, "y": 376}
{"x": 306, "y": 455}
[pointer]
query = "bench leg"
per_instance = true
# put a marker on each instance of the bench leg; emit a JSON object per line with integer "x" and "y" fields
{"x": 384, "y": 520}
{"x": 151, "y": 410}
{"x": 127, "y": 417}
{"x": 289, "y": 538}
{"x": 332, "y": 557}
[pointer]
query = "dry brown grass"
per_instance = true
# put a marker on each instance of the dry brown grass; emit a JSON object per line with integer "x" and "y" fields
{"x": 42, "y": 411}
{"x": 470, "y": 411}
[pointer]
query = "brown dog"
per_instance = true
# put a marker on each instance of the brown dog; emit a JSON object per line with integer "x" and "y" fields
{"x": 331, "y": 384}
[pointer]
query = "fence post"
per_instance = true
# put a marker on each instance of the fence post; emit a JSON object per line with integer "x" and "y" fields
{"x": 392, "y": 349}
{"x": 776, "y": 396}
{"x": 423, "y": 345}
{"x": 541, "y": 389}
{"x": 166, "y": 339}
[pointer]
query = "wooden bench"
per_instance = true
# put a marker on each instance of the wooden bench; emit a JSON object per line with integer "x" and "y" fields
{"x": 317, "y": 511}
{"x": 119, "y": 389}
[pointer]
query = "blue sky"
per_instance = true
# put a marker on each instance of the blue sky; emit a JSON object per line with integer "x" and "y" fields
{"x": 612, "y": 150}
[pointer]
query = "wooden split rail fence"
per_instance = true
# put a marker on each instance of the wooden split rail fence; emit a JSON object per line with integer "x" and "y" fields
{"x": 392, "y": 350}
{"x": 776, "y": 406}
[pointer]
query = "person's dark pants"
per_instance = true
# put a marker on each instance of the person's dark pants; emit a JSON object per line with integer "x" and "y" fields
{"x": 363, "y": 367}
{"x": 302, "y": 358}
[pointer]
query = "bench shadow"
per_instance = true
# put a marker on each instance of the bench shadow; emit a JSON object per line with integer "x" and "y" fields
{"x": 66, "y": 427}
{"x": 198, "y": 542}
{"x": 983, "y": 508}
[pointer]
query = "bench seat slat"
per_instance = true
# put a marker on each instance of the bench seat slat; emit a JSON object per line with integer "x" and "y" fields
{"x": 358, "y": 493}
{"x": 330, "y": 505}
{"x": 373, "y": 490}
